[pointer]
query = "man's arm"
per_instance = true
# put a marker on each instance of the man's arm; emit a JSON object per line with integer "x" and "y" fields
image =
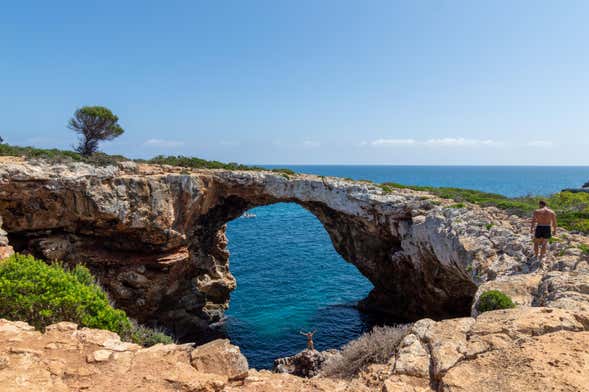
{"x": 554, "y": 224}
{"x": 533, "y": 222}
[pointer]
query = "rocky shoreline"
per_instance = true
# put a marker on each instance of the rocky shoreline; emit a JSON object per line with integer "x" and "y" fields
{"x": 154, "y": 236}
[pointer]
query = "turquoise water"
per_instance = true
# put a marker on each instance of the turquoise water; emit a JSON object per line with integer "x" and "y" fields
{"x": 289, "y": 277}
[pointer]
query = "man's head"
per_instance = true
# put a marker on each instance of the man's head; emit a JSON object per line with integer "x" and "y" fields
{"x": 542, "y": 203}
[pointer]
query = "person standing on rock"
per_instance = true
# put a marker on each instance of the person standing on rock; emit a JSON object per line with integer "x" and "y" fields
{"x": 543, "y": 228}
{"x": 309, "y": 336}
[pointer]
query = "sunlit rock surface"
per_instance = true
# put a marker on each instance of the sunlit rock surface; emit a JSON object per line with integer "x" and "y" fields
{"x": 155, "y": 237}
{"x": 523, "y": 349}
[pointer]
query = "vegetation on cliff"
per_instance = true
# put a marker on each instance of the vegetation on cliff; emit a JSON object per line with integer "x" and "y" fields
{"x": 42, "y": 294}
{"x": 101, "y": 159}
{"x": 572, "y": 209}
{"x": 494, "y": 300}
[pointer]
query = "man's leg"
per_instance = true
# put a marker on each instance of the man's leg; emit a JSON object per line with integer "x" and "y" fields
{"x": 536, "y": 246}
{"x": 544, "y": 244}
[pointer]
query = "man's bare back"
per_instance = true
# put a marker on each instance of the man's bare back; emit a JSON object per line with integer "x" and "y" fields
{"x": 545, "y": 217}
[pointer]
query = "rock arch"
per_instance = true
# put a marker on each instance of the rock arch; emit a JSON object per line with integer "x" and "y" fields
{"x": 155, "y": 235}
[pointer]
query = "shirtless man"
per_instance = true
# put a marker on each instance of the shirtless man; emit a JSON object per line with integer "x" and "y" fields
{"x": 309, "y": 336}
{"x": 543, "y": 221}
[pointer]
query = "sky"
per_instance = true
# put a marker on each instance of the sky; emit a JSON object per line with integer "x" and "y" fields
{"x": 305, "y": 81}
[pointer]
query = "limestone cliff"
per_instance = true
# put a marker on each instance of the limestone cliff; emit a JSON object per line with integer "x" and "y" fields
{"x": 524, "y": 349}
{"x": 155, "y": 237}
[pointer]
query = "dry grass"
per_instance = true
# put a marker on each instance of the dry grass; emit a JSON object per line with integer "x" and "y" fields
{"x": 376, "y": 346}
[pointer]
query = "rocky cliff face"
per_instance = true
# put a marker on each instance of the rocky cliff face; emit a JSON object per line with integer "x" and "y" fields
{"x": 155, "y": 237}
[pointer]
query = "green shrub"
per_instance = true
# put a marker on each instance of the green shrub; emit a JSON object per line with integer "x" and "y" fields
{"x": 42, "y": 294}
{"x": 196, "y": 163}
{"x": 493, "y": 300}
{"x": 146, "y": 336}
{"x": 283, "y": 171}
{"x": 584, "y": 248}
{"x": 386, "y": 188}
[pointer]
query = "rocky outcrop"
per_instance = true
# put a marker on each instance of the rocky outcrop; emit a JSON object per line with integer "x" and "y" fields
{"x": 66, "y": 358}
{"x": 5, "y": 249}
{"x": 584, "y": 188}
{"x": 220, "y": 357}
{"x": 155, "y": 237}
{"x": 522, "y": 349}
{"x": 307, "y": 363}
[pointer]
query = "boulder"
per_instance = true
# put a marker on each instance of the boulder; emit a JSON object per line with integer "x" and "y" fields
{"x": 307, "y": 363}
{"x": 220, "y": 357}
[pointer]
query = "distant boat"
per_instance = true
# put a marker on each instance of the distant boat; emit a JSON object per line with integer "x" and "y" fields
{"x": 248, "y": 215}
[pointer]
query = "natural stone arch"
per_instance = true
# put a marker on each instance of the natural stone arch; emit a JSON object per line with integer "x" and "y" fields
{"x": 155, "y": 235}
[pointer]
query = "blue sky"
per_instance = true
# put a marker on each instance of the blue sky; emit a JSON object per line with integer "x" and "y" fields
{"x": 305, "y": 81}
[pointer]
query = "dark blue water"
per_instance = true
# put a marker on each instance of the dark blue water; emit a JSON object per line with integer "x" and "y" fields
{"x": 289, "y": 277}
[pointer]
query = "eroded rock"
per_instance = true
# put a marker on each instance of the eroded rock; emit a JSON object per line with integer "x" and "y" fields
{"x": 220, "y": 357}
{"x": 154, "y": 236}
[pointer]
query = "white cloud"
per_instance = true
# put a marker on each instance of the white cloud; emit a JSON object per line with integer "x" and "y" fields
{"x": 311, "y": 143}
{"x": 442, "y": 142}
{"x": 460, "y": 142}
{"x": 540, "y": 143}
{"x": 392, "y": 142}
{"x": 163, "y": 143}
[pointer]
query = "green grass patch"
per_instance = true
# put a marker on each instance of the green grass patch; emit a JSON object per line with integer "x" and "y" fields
{"x": 489, "y": 226}
{"x": 457, "y": 205}
{"x": 42, "y": 294}
{"x": 584, "y": 248}
{"x": 572, "y": 209}
{"x": 493, "y": 300}
{"x": 386, "y": 188}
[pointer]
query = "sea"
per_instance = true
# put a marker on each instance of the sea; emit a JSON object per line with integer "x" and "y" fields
{"x": 290, "y": 279}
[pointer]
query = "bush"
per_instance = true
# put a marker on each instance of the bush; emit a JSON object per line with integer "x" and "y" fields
{"x": 493, "y": 300}
{"x": 376, "y": 346}
{"x": 146, "y": 336}
{"x": 42, "y": 294}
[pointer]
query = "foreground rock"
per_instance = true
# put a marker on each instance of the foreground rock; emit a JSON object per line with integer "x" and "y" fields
{"x": 155, "y": 237}
{"x": 220, "y": 357}
{"x": 307, "y": 363}
{"x": 5, "y": 249}
{"x": 522, "y": 349}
